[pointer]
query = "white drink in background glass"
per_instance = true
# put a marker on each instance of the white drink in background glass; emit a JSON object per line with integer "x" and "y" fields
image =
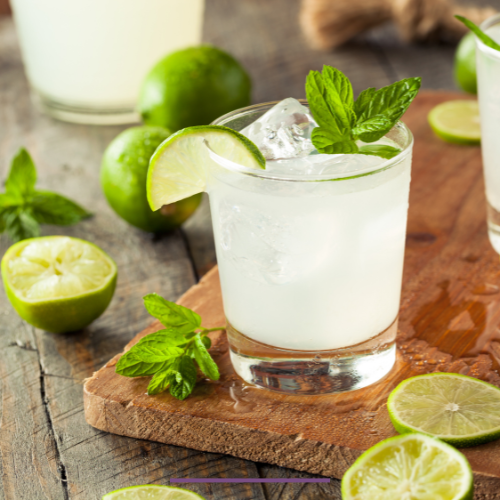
{"x": 86, "y": 59}
{"x": 311, "y": 260}
{"x": 488, "y": 79}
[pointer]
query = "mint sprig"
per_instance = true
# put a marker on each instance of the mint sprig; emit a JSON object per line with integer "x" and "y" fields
{"x": 487, "y": 40}
{"x": 23, "y": 208}
{"x": 343, "y": 121}
{"x": 171, "y": 355}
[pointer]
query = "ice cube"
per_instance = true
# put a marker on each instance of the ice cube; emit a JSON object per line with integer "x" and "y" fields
{"x": 284, "y": 131}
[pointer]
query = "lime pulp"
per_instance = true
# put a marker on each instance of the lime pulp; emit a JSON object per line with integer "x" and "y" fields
{"x": 152, "y": 492}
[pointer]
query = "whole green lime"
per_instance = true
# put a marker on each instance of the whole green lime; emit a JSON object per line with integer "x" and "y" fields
{"x": 124, "y": 171}
{"x": 193, "y": 86}
{"x": 465, "y": 64}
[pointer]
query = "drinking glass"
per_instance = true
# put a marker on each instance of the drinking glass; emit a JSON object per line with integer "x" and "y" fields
{"x": 488, "y": 80}
{"x": 310, "y": 267}
{"x": 85, "y": 59}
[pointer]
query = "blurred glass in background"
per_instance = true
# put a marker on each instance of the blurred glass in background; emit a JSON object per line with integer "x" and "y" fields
{"x": 86, "y": 59}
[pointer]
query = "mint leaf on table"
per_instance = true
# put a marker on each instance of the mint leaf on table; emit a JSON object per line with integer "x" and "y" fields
{"x": 20, "y": 183}
{"x": 205, "y": 362}
{"x": 52, "y": 208}
{"x": 170, "y": 354}
{"x": 343, "y": 121}
{"x": 172, "y": 315}
{"x": 486, "y": 39}
{"x": 23, "y": 208}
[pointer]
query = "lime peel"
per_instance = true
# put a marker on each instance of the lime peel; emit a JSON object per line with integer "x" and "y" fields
{"x": 152, "y": 492}
{"x": 178, "y": 168}
{"x": 409, "y": 466}
{"x": 458, "y": 409}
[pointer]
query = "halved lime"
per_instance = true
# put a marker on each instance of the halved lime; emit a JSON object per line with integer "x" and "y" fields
{"x": 456, "y": 121}
{"x": 460, "y": 410}
{"x": 178, "y": 168}
{"x": 58, "y": 283}
{"x": 152, "y": 492}
{"x": 409, "y": 467}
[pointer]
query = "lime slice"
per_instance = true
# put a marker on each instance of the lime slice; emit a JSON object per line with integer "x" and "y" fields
{"x": 178, "y": 168}
{"x": 460, "y": 410}
{"x": 409, "y": 467}
{"x": 456, "y": 121}
{"x": 152, "y": 492}
{"x": 57, "y": 283}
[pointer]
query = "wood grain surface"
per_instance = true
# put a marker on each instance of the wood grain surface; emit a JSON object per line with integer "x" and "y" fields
{"x": 47, "y": 451}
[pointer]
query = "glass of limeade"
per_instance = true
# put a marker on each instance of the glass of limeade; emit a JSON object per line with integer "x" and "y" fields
{"x": 310, "y": 254}
{"x": 488, "y": 80}
{"x": 86, "y": 59}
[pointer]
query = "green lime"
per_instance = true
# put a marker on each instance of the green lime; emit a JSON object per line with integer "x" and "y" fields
{"x": 152, "y": 492}
{"x": 460, "y": 410}
{"x": 57, "y": 283}
{"x": 179, "y": 166}
{"x": 193, "y": 86}
{"x": 123, "y": 179}
{"x": 409, "y": 467}
{"x": 465, "y": 64}
{"x": 457, "y": 122}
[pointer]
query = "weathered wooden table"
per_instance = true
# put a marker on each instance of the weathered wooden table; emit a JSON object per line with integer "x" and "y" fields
{"x": 47, "y": 450}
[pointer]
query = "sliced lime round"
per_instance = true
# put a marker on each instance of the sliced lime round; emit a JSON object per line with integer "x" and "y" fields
{"x": 152, "y": 492}
{"x": 460, "y": 410}
{"x": 409, "y": 467}
{"x": 57, "y": 283}
{"x": 178, "y": 168}
{"x": 456, "y": 121}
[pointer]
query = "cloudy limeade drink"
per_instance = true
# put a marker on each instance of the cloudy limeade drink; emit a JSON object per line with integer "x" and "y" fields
{"x": 86, "y": 59}
{"x": 488, "y": 72}
{"x": 310, "y": 254}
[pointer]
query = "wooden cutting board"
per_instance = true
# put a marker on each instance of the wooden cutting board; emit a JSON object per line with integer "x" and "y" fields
{"x": 449, "y": 321}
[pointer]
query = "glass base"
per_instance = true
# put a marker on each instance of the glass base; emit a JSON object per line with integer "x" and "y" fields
{"x": 313, "y": 372}
{"x": 494, "y": 227}
{"x": 84, "y": 114}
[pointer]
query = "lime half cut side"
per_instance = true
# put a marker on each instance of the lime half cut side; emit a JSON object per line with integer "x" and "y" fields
{"x": 152, "y": 492}
{"x": 178, "y": 168}
{"x": 409, "y": 467}
{"x": 460, "y": 410}
{"x": 457, "y": 122}
{"x": 57, "y": 283}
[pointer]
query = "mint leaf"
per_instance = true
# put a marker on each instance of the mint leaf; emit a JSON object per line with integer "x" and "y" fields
{"x": 21, "y": 181}
{"x": 183, "y": 378}
{"x": 378, "y": 111}
{"x": 363, "y": 100}
{"x": 151, "y": 352}
{"x": 52, "y": 208}
{"x": 21, "y": 225}
{"x": 129, "y": 365}
{"x": 170, "y": 337}
{"x": 205, "y": 362}
{"x": 382, "y": 151}
{"x": 207, "y": 342}
{"x": 486, "y": 39}
{"x": 172, "y": 315}
{"x": 8, "y": 200}
{"x": 328, "y": 143}
{"x": 160, "y": 382}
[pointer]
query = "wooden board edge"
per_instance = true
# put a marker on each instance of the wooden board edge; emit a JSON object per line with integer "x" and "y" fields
{"x": 217, "y": 437}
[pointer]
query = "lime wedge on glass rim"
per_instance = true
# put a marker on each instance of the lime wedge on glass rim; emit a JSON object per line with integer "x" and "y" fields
{"x": 460, "y": 410}
{"x": 407, "y": 467}
{"x": 152, "y": 492}
{"x": 57, "y": 283}
{"x": 457, "y": 122}
{"x": 177, "y": 169}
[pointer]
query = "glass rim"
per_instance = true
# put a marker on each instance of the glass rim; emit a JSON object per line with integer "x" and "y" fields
{"x": 488, "y": 23}
{"x": 287, "y": 177}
